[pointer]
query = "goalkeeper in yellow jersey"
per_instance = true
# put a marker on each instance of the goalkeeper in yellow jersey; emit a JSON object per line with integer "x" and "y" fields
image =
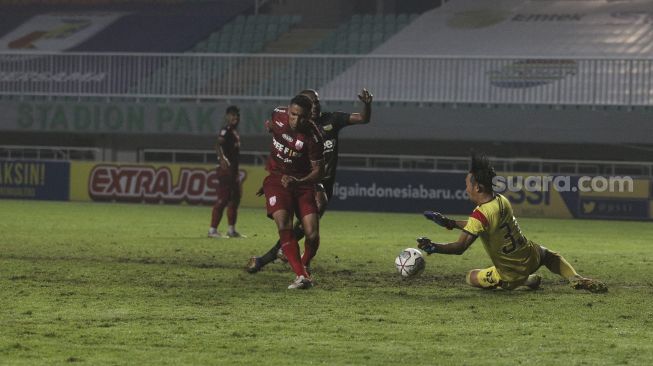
{"x": 515, "y": 258}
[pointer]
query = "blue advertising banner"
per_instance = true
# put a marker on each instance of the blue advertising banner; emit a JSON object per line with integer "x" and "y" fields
{"x": 614, "y": 208}
{"x": 400, "y": 191}
{"x": 32, "y": 179}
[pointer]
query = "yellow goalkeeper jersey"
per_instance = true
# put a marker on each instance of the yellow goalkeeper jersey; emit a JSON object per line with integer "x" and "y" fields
{"x": 512, "y": 254}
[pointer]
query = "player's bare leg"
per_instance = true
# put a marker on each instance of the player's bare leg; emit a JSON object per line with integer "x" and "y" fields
{"x": 558, "y": 265}
{"x": 232, "y": 216}
{"x": 311, "y": 226}
{"x": 216, "y": 217}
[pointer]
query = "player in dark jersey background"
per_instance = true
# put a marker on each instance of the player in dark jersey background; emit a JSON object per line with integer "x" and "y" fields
{"x": 295, "y": 165}
{"x": 330, "y": 125}
{"x": 227, "y": 149}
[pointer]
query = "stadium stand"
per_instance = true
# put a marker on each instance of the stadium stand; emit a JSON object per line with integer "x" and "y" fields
{"x": 247, "y": 34}
{"x": 116, "y": 27}
{"x": 362, "y": 33}
{"x": 254, "y": 33}
{"x": 359, "y": 35}
{"x": 531, "y": 48}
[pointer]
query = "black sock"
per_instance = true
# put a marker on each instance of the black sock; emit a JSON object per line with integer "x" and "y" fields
{"x": 270, "y": 256}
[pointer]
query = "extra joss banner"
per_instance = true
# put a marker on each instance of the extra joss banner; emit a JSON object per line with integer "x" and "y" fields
{"x": 193, "y": 184}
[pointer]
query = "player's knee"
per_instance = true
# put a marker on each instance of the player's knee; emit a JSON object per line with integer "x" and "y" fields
{"x": 312, "y": 236}
{"x": 220, "y": 204}
{"x": 549, "y": 257}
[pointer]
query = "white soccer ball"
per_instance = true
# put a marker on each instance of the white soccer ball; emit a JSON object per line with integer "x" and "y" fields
{"x": 410, "y": 262}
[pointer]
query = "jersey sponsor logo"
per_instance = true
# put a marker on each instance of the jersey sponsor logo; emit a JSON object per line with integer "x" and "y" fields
{"x": 278, "y": 145}
{"x": 287, "y": 138}
{"x": 110, "y": 182}
{"x": 273, "y": 200}
{"x": 299, "y": 144}
{"x": 284, "y": 159}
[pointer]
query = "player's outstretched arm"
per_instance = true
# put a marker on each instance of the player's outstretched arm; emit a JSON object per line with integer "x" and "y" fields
{"x": 366, "y": 116}
{"x": 444, "y": 221}
{"x": 458, "y": 247}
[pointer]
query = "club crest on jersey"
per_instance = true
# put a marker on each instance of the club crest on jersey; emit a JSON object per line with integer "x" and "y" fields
{"x": 280, "y": 124}
{"x": 299, "y": 144}
{"x": 328, "y": 127}
{"x": 273, "y": 200}
{"x": 329, "y": 144}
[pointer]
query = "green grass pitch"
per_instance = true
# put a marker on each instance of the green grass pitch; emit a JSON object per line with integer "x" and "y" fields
{"x": 99, "y": 284}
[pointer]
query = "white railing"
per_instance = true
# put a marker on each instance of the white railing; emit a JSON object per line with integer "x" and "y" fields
{"x": 423, "y": 79}
{"x": 50, "y": 153}
{"x": 349, "y": 161}
{"x": 425, "y": 162}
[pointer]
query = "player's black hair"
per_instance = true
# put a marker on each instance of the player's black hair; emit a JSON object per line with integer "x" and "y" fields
{"x": 232, "y": 109}
{"x": 482, "y": 172}
{"x": 304, "y": 102}
{"x": 312, "y": 92}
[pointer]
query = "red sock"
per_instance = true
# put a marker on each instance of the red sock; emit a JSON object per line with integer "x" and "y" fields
{"x": 310, "y": 251}
{"x": 291, "y": 251}
{"x": 216, "y": 214}
{"x": 232, "y": 214}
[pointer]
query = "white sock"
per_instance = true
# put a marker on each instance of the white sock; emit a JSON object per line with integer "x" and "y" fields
{"x": 212, "y": 230}
{"x": 232, "y": 228}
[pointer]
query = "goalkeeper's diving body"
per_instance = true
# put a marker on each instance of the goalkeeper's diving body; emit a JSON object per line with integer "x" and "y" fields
{"x": 515, "y": 258}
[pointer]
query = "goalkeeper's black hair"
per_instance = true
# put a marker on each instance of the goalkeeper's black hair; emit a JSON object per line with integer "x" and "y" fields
{"x": 482, "y": 172}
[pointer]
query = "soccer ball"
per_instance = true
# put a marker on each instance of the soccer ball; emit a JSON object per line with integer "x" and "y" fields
{"x": 410, "y": 262}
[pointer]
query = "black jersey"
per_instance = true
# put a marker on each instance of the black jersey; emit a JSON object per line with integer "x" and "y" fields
{"x": 330, "y": 124}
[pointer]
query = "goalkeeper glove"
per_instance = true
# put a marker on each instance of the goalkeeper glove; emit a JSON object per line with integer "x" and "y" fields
{"x": 426, "y": 245}
{"x": 440, "y": 219}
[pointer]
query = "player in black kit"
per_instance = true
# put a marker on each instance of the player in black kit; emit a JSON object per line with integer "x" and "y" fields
{"x": 330, "y": 124}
